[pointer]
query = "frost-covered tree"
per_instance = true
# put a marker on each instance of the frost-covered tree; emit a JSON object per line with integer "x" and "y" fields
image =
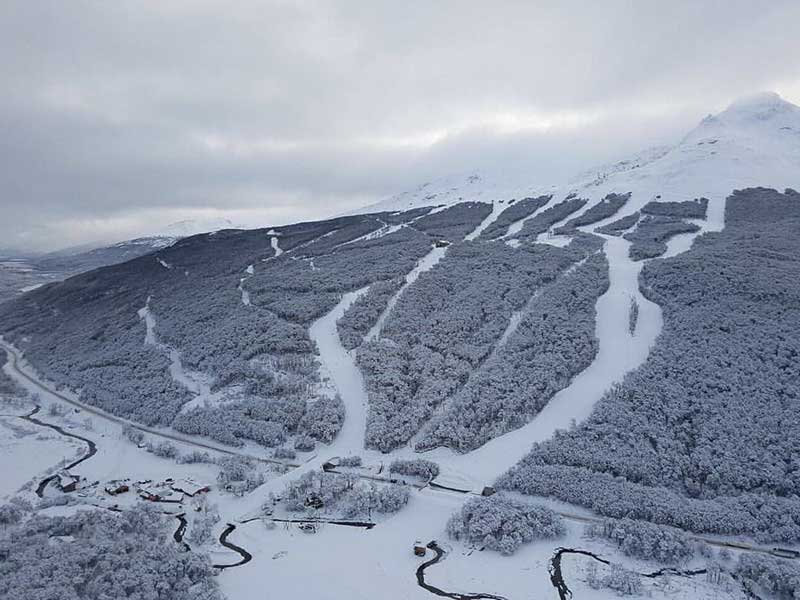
{"x": 516, "y": 211}
{"x": 688, "y": 209}
{"x": 503, "y": 524}
{"x": 100, "y": 554}
{"x": 554, "y": 340}
{"x": 621, "y": 225}
{"x": 648, "y": 541}
{"x": 415, "y": 467}
{"x": 652, "y": 233}
{"x": 774, "y": 575}
{"x": 607, "y": 207}
{"x": 542, "y": 221}
{"x": 446, "y": 325}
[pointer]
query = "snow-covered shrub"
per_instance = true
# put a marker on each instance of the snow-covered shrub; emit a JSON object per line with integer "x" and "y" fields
{"x": 60, "y": 500}
{"x": 618, "y": 579}
{"x": 195, "y": 456}
{"x": 343, "y": 494}
{"x": 236, "y": 472}
{"x": 164, "y": 449}
{"x": 350, "y": 461}
{"x": 10, "y": 514}
{"x": 203, "y": 525}
{"x": 304, "y": 443}
{"x": 56, "y": 410}
{"x": 503, "y": 524}
{"x": 284, "y": 453}
{"x": 133, "y": 435}
{"x": 774, "y": 575}
{"x": 323, "y": 418}
{"x": 648, "y": 541}
{"x": 633, "y": 316}
{"x": 367, "y": 498}
{"x": 415, "y": 467}
{"x": 10, "y": 390}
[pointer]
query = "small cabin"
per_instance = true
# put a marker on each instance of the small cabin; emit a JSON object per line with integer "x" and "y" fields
{"x": 151, "y": 495}
{"x": 67, "y": 482}
{"x": 441, "y": 244}
{"x": 488, "y": 491}
{"x": 419, "y": 549}
{"x": 118, "y": 489}
{"x": 190, "y": 488}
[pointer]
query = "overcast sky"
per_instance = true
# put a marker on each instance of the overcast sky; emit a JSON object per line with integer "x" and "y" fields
{"x": 117, "y": 118}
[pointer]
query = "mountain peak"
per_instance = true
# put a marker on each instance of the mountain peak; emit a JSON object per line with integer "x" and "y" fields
{"x": 764, "y": 106}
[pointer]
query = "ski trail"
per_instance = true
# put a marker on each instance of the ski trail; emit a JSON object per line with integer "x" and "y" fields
{"x": 426, "y": 263}
{"x": 273, "y": 241}
{"x": 249, "y": 272}
{"x": 678, "y": 244}
{"x": 517, "y": 316}
{"x": 618, "y": 353}
{"x": 517, "y": 226}
{"x": 340, "y": 365}
{"x": 195, "y": 384}
{"x": 497, "y": 208}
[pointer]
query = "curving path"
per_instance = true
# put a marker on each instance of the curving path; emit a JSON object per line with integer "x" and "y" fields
{"x": 92, "y": 448}
{"x": 557, "y": 579}
{"x": 439, "y": 554}
{"x": 223, "y": 540}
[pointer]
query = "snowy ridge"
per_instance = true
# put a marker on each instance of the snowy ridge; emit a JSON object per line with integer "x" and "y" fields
{"x": 754, "y": 142}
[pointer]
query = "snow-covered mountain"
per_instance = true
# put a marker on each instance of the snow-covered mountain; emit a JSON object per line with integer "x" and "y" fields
{"x": 187, "y": 227}
{"x": 754, "y": 142}
{"x": 627, "y": 385}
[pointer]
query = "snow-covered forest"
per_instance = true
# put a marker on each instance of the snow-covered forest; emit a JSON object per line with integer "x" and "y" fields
{"x": 447, "y": 325}
{"x": 697, "y": 437}
{"x": 553, "y": 341}
{"x": 99, "y": 554}
{"x": 519, "y": 210}
{"x": 180, "y": 348}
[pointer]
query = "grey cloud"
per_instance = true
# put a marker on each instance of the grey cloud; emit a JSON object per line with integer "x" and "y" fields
{"x": 306, "y": 109}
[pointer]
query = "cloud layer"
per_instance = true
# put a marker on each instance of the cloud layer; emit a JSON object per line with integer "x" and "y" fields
{"x": 118, "y": 117}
